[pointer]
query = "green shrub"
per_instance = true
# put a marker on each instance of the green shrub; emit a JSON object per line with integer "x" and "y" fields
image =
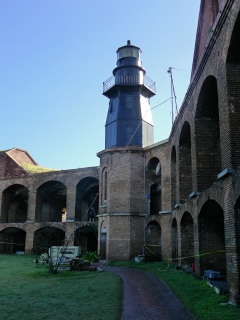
{"x": 91, "y": 256}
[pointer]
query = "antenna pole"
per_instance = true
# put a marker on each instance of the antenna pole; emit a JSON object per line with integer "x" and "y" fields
{"x": 170, "y": 73}
{"x": 173, "y": 93}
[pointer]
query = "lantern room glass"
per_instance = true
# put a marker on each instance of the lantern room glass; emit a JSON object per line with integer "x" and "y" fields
{"x": 128, "y": 52}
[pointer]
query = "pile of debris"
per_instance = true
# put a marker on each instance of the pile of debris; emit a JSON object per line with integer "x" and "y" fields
{"x": 79, "y": 264}
{"x": 65, "y": 258}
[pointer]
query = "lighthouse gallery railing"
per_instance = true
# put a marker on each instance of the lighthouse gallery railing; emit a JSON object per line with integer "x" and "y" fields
{"x": 129, "y": 79}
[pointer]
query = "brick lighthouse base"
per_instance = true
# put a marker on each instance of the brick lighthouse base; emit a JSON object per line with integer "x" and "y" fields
{"x": 121, "y": 236}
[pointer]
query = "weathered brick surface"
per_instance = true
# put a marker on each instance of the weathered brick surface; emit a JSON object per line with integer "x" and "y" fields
{"x": 204, "y": 141}
{"x": 20, "y": 156}
{"x": 21, "y": 209}
{"x": 9, "y": 168}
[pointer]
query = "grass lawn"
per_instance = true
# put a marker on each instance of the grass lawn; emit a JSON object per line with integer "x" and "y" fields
{"x": 27, "y": 292}
{"x": 200, "y": 299}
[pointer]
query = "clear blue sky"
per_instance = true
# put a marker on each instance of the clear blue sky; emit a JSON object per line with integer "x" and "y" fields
{"x": 55, "y": 55}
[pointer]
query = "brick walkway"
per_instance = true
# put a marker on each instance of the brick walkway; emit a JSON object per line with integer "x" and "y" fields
{"x": 145, "y": 297}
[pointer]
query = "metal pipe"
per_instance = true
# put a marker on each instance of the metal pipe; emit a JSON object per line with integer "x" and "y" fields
{"x": 144, "y": 225}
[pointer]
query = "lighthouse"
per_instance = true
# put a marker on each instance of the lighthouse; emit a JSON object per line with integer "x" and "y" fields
{"x": 123, "y": 204}
{"x": 129, "y": 120}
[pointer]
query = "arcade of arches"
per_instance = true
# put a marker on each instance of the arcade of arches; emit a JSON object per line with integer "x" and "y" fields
{"x": 49, "y": 224}
{"x": 178, "y": 199}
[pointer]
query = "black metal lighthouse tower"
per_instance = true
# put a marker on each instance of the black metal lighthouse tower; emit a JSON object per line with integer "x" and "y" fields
{"x": 123, "y": 204}
{"x": 129, "y": 119}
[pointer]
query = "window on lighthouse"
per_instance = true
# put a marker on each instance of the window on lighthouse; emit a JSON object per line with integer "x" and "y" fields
{"x": 129, "y": 52}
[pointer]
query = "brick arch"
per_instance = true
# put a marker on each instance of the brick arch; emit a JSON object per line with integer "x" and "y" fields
{"x": 232, "y": 232}
{"x": 153, "y": 241}
{"x": 86, "y": 238}
{"x": 236, "y": 191}
{"x": 155, "y": 197}
{"x": 207, "y": 135}
{"x": 46, "y": 237}
{"x": 186, "y": 207}
{"x": 185, "y": 162}
{"x": 237, "y": 232}
{"x": 153, "y": 169}
{"x": 214, "y": 193}
{"x": 233, "y": 88}
{"x": 51, "y": 201}
{"x": 22, "y": 182}
{"x": 38, "y": 183}
{"x": 154, "y": 165}
{"x": 12, "y": 225}
{"x": 14, "y": 204}
{"x": 187, "y": 238}
{"x": 211, "y": 238}
{"x": 154, "y": 175}
{"x": 87, "y": 195}
{"x": 59, "y": 226}
{"x": 12, "y": 239}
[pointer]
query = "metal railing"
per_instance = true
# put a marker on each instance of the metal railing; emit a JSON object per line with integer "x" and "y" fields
{"x": 150, "y": 84}
{"x": 108, "y": 83}
{"x": 129, "y": 79}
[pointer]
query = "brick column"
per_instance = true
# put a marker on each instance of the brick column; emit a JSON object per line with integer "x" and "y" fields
{"x": 1, "y": 209}
{"x": 31, "y": 205}
{"x": 69, "y": 234}
{"x": 29, "y": 237}
{"x": 71, "y": 199}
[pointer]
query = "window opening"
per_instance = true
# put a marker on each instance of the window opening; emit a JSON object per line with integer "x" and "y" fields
{"x": 105, "y": 186}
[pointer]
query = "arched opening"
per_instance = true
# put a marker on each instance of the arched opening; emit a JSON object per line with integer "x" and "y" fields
{"x": 153, "y": 241}
{"x": 104, "y": 183}
{"x": 211, "y": 238}
{"x": 154, "y": 166}
{"x": 12, "y": 240}
{"x": 187, "y": 239}
{"x": 233, "y": 89}
{"x": 154, "y": 176}
{"x": 86, "y": 238}
{"x": 47, "y": 237}
{"x": 185, "y": 163}
{"x": 51, "y": 202}
{"x": 155, "y": 196}
{"x": 14, "y": 204}
{"x": 174, "y": 238}
{"x": 237, "y": 234}
{"x": 173, "y": 178}
{"x": 86, "y": 198}
{"x": 207, "y": 135}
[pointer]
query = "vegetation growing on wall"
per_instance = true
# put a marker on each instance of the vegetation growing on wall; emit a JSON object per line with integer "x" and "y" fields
{"x": 31, "y": 168}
